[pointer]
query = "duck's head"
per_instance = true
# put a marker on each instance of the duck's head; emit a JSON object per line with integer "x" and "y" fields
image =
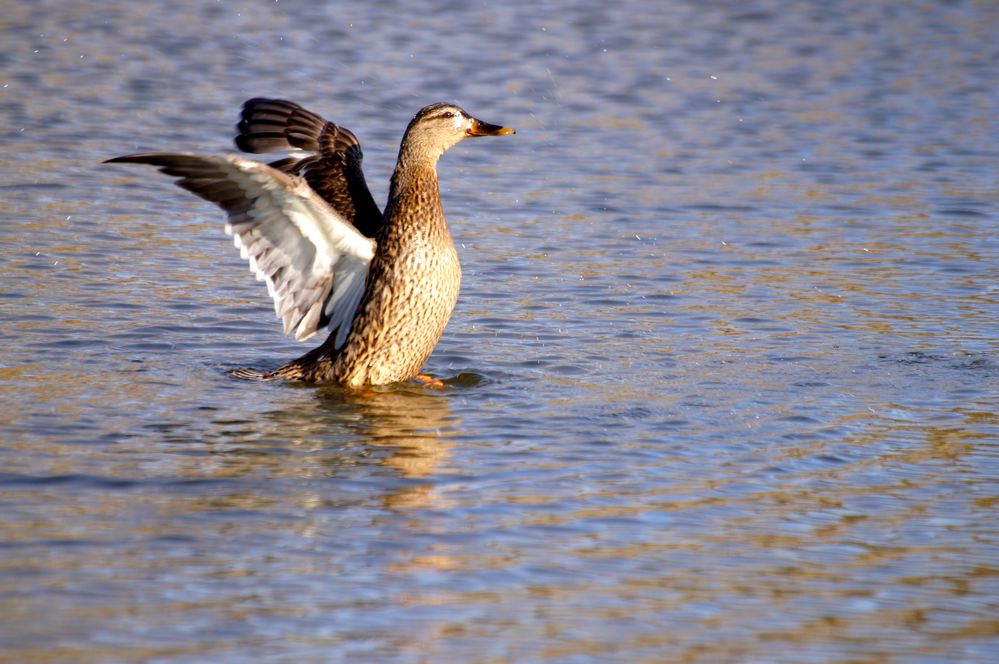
{"x": 440, "y": 126}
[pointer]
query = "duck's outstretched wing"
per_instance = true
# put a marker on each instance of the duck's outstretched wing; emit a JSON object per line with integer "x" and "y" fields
{"x": 334, "y": 167}
{"x": 314, "y": 263}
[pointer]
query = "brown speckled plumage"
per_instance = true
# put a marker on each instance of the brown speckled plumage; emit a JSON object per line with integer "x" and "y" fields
{"x": 413, "y": 276}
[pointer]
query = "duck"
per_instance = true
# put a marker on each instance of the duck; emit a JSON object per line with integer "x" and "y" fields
{"x": 383, "y": 283}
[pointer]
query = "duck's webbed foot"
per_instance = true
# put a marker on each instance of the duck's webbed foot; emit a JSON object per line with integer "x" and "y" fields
{"x": 430, "y": 381}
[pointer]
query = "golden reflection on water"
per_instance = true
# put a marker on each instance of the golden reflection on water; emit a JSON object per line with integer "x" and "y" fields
{"x": 413, "y": 423}
{"x": 405, "y": 427}
{"x": 320, "y": 432}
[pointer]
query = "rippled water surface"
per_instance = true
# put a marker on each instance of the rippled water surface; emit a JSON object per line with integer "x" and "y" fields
{"x": 722, "y": 378}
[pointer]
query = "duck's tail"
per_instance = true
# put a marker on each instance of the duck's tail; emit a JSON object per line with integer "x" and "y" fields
{"x": 291, "y": 371}
{"x": 313, "y": 367}
{"x": 245, "y": 373}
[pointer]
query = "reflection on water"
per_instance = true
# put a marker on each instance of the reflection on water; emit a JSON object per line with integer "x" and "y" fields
{"x": 722, "y": 376}
{"x": 412, "y": 425}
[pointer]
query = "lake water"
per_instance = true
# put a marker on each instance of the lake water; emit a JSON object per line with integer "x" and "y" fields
{"x": 723, "y": 377}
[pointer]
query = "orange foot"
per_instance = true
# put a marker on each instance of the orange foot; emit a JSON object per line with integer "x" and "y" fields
{"x": 430, "y": 381}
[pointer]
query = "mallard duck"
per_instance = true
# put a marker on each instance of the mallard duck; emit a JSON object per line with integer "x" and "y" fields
{"x": 383, "y": 283}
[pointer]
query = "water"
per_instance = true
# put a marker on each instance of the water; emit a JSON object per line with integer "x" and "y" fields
{"x": 723, "y": 375}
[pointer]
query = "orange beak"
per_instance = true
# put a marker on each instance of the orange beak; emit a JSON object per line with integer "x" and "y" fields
{"x": 480, "y": 128}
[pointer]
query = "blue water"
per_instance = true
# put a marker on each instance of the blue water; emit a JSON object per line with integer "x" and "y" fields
{"x": 723, "y": 376}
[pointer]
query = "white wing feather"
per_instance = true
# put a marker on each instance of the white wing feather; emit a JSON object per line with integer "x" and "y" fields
{"x": 313, "y": 261}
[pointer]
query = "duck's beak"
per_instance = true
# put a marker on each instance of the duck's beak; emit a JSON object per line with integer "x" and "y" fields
{"x": 480, "y": 128}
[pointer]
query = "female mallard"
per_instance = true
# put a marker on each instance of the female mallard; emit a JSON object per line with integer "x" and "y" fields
{"x": 306, "y": 227}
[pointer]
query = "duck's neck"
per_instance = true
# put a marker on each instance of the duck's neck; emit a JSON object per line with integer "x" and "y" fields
{"x": 414, "y": 188}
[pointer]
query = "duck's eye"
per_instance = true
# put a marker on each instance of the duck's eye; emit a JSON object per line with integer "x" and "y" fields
{"x": 448, "y": 114}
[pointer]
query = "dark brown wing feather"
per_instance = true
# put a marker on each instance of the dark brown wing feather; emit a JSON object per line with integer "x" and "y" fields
{"x": 334, "y": 168}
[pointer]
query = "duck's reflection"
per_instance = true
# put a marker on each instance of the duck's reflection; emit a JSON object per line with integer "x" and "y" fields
{"x": 330, "y": 446}
{"x": 413, "y": 424}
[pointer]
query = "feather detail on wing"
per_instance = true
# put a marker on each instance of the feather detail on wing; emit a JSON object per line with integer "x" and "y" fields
{"x": 313, "y": 261}
{"x": 331, "y": 162}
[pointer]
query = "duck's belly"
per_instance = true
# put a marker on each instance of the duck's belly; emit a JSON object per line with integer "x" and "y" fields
{"x": 403, "y": 318}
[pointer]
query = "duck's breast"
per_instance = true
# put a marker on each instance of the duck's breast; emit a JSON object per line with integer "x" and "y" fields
{"x": 413, "y": 287}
